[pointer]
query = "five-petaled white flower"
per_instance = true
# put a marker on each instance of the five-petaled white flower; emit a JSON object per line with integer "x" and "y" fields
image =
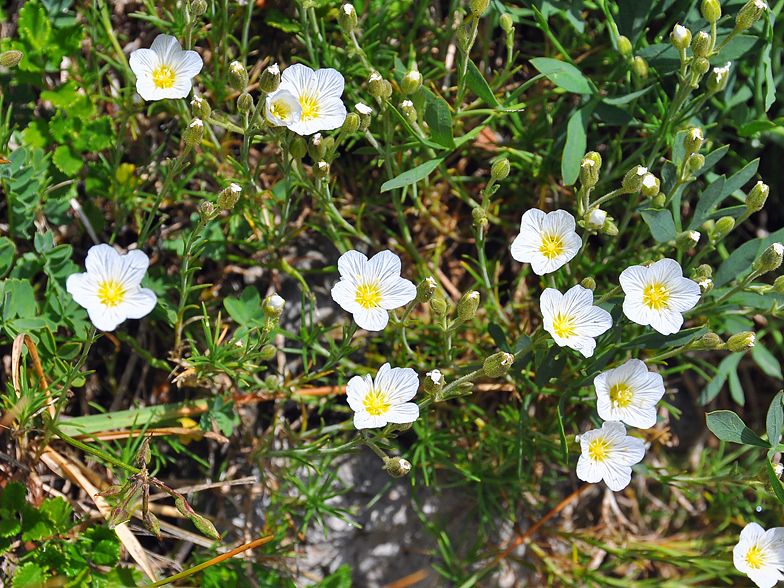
{"x": 760, "y": 554}
{"x": 657, "y": 295}
{"x": 385, "y": 400}
{"x": 368, "y": 289}
{"x": 164, "y": 70}
{"x": 547, "y": 240}
{"x": 110, "y": 289}
{"x": 572, "y": 319}
{"x": 283, "y": 109}
{"x": 629, "y": 393}
{"x": 318, "y": 94}
{"x": 608, "y": 454}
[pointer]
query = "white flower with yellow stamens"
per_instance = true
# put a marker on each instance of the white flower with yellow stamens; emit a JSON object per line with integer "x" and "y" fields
{"x": 110, "y": 289}
{"x": 164, "y": 70}
{"x": 760, "y": 554}
{"x": 368, "y": 289}
{"x": 547, "y": 240}
{"x": 318, "y": 93}
{"x": 629, "y": 393}
{"x": 572, "y": 319}
{"x": 608, "y": 454}
{"x": 283, "y": 109}
{"x": 657, "y": 295}
{"x": 385, "y": 400}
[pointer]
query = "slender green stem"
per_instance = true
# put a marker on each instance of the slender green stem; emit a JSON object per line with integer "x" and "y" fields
{"x": 176, "y": 167}
{"x": 50, "y": 424}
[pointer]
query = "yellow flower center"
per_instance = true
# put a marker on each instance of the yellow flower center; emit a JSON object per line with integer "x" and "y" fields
{"x": 598, "y": 449}
{"x": 280, "y": 110}
{"x": 163, "y": 77}
{"x": 111, "y": 293}
{"x": 552, "y": 246}
{"x": 368, "y": 295}
{"x": 755, "y": 558}
{"x": 563, "y": 325}
{"x": 656, "y": 296}
{"x": 376, "y": 403}
{"x": 310, "y": 107}
{"x": 621, "y": 396}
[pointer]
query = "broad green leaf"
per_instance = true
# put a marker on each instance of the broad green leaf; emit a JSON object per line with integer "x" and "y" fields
{"x": 766, "y": 361}
{"x": 564, "y": 75}
{"x": 661, "y": 224}
{"x": 712, "y": 159}
{"x": 710, "y": 198}
{"x": 28, "y": 575}
{"x": 7, "y": 255}
{"x": 778, "y": 489}
{"x": 477, "y": 82}
{"x": 439, "y": 119}
{"x": 753, "y": 127}
{"x": 13, "y": 496}
{"x": 63, "y": 96}
{"x": 728, "y": 426}
{"x": 412, "y": 176}
{"x": 552, "y": 366}
{"x": 626, "y": 98}
{"x": 576, "y": 144}
{"x": 741, "y": 178}
{"x": 659, "y": 341}
{"x": 67, "y": 161}
{"x": 9, "y": 527}
{"x": 613, "y": 114}
{"x": 775, "y": 419}
{"x": 739, "y": 262}
{"x": 275, "y": 18}
{"x": 34, "y": 27}
{"x": 497, "y": 333}
{"x": 727, "y": 366}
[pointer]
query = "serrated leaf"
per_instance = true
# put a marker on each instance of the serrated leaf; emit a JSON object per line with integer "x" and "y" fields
{"x": 13, "y": 497}
{"x": 9, "y": 527}
{"x": 34, "y": 27}
{"x": 728, "y": 426}
{"x": 439, "y": 120}
{"x": 564, "y": 75}
{"x": 661, "y": 224}
{"x": 478, "y": 84}
{"x": 63, "y": 96}
{"x": 412, "y": 176}
{"x": 67, "y": 161}
{"x": 28, "y": 575}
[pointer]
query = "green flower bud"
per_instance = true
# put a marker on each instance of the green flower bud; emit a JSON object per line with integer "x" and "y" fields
{"x": 464, "y": 38}
{"x": 710, "y": 340}
{"x": 409, "y": 111}
{"x": 351, "y": 124}
{"x": 717, "y": 81}
{"x": 478, "y": 7}
{"x": 375, "y": 85}
{"x": 11, "y": 58}
{"x": 701, "y": 44}
{"x": 658, "y": 200}
{"x": 386, "y": 90}
{"x": 595, "y": 219}
{"x": 701, "y": 65}
{"x": 692, "y": 142}
{"x": 722, "y": 227}
{"x": 364, "y": 111}
{"x": 244, "y": 103}
{"x": 347, "y": 18}
{"x": 680, "y": 37}
{"x": 229, "y": 196}
{"x": 770, "y": 259}
{"x": 439, "y": 306}
{"x": 426, "y": 289}
{"x": 200, "y": 108}
{"x": 321, "y": 170}
{"x": 702, "y": 272}
{"x": 650, "y": 185}
{"x": 632, "y": 181}
{"x": 272, "y": 307}
{"x": 480, "y": 217}
{"x": 397, "y": 467}
{"x": 144, "y": 456}
{"x": 749, "y": 14}
{"x": 298, "y": 147}
{"x": 757, "y": 197}
{"x": 434, "y": 382}
{"x": 589, "y": 172}
{"x": 741, "y": 342}
{"x": 207, "y": 211}
{"x": 778, "y": 285}
{"x": 267, "y": 352}
{"x": 694, "y": 163}
{"x": 150, "y": 521}
{"x": 610, "y": 228}
{"x": 500, "y": 169}
{"x": 194, "y": 133}
{"x": 706, "y": 285}
{"x": 411, "y": 83}
{"x": 588, "y": 283}
{"x": 640, "y": 67}
{"x": 270, "y": 79}
{"x": 238, "y": 76}
{"x": 317, "y": 147}
{"x": 624, "y": 46}
{"x": 687, "y": 240}
{"x": 506, "y": 22}
{"x": 498, "y": 364}
{"x": 466, "y": 308}
{"x": 198, "y": 7}
{"x": 711, "y": 10}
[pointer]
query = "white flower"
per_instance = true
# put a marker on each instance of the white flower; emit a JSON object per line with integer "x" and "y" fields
{"x": 649, "y": 181}
{"x": 282, "y": 109}
{"x": 657, "y": 295}
{"x": 547, "y": 240}
{"x": 597, "y": 217}
{"x": 318, "y": 94}
{"x": 680, "y": 33}
{"x": 608, "y": 454}
{"x": 629, "y": 393}
{"x": 572, "y": 319}
{"x": 110, "y": 289}
{"x": 437, "y": 377}
{"x": 760, "y": 554}
{"x": 385, "y": 400}
{"x": 164, "y": 70}
{"x": 369, "y": 288}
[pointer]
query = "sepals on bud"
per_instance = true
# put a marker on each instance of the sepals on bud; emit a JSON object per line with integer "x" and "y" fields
{"x": 409, "y": 110}
{"x": 694, "y": 163}
{"x": 596, "y": 219}
{"x": 238, "y": 76}
{"x": 778, "y": 285}
{"x": 702, "y": 44}
{"x": 351, "y": 124}
{"x": 298, "y": 147}
{"x": 321, "y": 170}
{"x": 749, "y": 14}
{"x": 701, "y": 65}
{"x": 588, "y": 283}
{"x": 439, "y": 306}
{"x": 267, "y": 352}
{"x": 640, "y": 67}
{"x": 194, "y": 133}
{"x": 632, "y": 181}
{"x": 498, "y": 364}
{"x": 207, "y": 211}
{"x": 426, "y": 289}
{"x": 273, "y": 306}
{"x": 317, "y": 147}
{"x": 692, "y": 142}
{"x": 375, "y": 84}
{"x": 770, "y": 259}
{"x": 722, "y": 228}
{"x": 229, "y": 196}
{"x": 466, "y": 308}
{"x": 152, "y": 524}
{"x": 500, "y": 169}
{"x": 680, "y": 37}
{"x": 650, "y": 185}
{"x": 270, "y": 79}
{"x": 244, "y": 103}
{"x": 198, "y": 7}
{"x": 364, "y": 111}
{"x": 480, "y": 217}
{"x": 506, "y": 22}
{"x": 687, "y": 240}
{"x": 347, "y": 18}
{"x": 478, "y": 7}
{"x": 397, "y": 467}
{"x": 718, "y": 78}
{"x": 711, "y": 10}
{"x": 624, "y": 46}
{"x": 589, "y": 171}
{"x": 200, "y": 108}
{"x": 701, "y": 272}
{"x": 411, "y": 83}
{"x": 434, "y": 382}
{"x": 741, "y": 342}
{"x": 710, "y": 340}
{"x": 757, "y": 196}
{"x": 11, "y": 58}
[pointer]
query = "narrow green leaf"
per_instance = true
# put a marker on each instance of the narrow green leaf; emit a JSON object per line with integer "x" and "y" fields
{"x": 778, "y": 489}
{"x": 564, "y": 75}
{"x": 739, "y": 262}
{"x": 576, "y": 144}
{"x": 711, "y": 197}
{"x": 712, "y": 159}
{"x": 728, "y": 426}
{"x": 561, "y": 431}
{"x": 439, "y": 119}
{"x": 727, "y": 365}
{"x": 478, "y": 84}
{"x": 412, "y": 176}
{"x": 770, "y": 82}
{"x": 736, "y": 388}
{"x": 659, "y": 341}
{"x": 497, "y": 333}
{"x": 775, "y": 419}
{"x": 661, "y": 224}
{"x": 740, "y": 179}
{"x": 766, "y": 361}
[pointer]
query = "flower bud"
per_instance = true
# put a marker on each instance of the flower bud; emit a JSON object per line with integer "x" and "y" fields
{"x": 778, "y": 285}
{"x": 397, "y": 467}
{"x": 321, "y": 170}
{"x": 409, "y": 111}
{"x": 200, "y": 108}
{"x": 706, "y": 285}
{"x": 298, "y": 148}
{"x": 375, "y": 84}
{"x": 207, "y": 211}
{"x": 778, "y": 469}
{"x": 11, "y": 58}
{"x": 701, "y": 65}
{"x": 273, "y": 306}
{"x": 718, "y": 78}
{"x": 694, "y": 163}
{"x": 149, "y": 520}
{"x": 364, "y": 111}
{"x": 194, "y": 133}
{"x": 701, "y": 44}
{"x": 640, "y": 67}
{"x": 701, "y": 272}
{"x": 500, "y": 169}
{"x": 632, "y": 181}
{"x": 268, "y": 352}
{"x": 687, "y": 240}
{"x": 610, "y": 228}
{"x": 710, "y": 340}
{"x": 426, "y": 289}
{"x": 722, "y": 227}
{"x": 757, "y": 197}
{"x": 711, "y": 10}
{"x": 270, "y": 79}
{"x": 238, "y": 76}
{"x": 506, "y": 22}
{"x": 466, "y": 308}
{"x": 439, "y": 306}
{"x": 741, "y": 342}
{"x": 198, "y": 7}
{"x": 749, "y": 14}
{"x": 589, "y": 172}
{"x": 351, "y": 124}
{"x": 498, "y": 364}
{"x": 478, "y": 7}
{"x": 624, "y": 46}
{"x": 650, "y": 185}
{"x": 770, "y": 259}
{"x": 596, "y": 219}
{"x": 680, "y": 37}
{"x": 411, "y": 83}
{"x": 658, "y": 200}
{"x": 464, "y": 38}
{"x": 317, "y": 147}
{"x": 480, "y": 217}
{"x": 692, "y": 142}
{"x": 244, "y": 103}
{"x": 434, "y": 382}
{"x": 386, "y": 90}
{"x": 229, "y": 196}
{"x": 347, "y": 18}
{"x": 588, "y": 283}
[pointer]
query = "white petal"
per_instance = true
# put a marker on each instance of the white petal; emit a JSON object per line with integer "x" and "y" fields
{"x": 407, "y": 412}
{"x": 617, "y": 477}
{"x": 356, "y": 390}
{"x": 188, "y": 64}
{"x": 345, "y": 294}
{"x": 139, "y": 303}
{"x": 397, "y": 293}
{"x": 371, "y": 319}
{"x": 403, "y": 385}
{"x": 298, "y": 79}
{"x": 352, "y": 264}
{"x": 166, "y": 48}
{"x": 143, "y": 62}
{"x": 549, "y": 304}
{"x": 101, "y": 261}
{"x": 330, "y": 83}
{"x": 587, "y": 470}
